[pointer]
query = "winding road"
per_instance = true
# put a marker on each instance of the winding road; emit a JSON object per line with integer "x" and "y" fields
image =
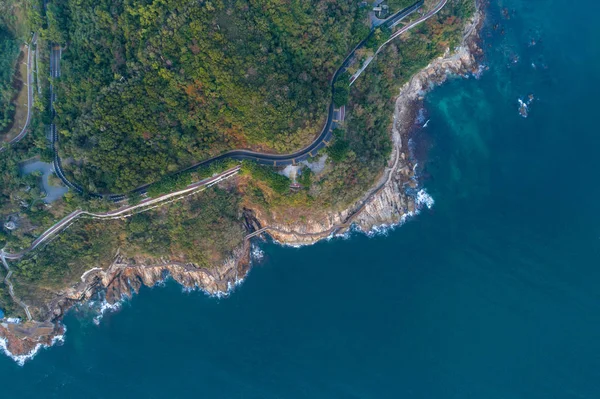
{"x": 143, "y": 206}
{"x": 400, "y": 31}
{"x": 321, "y": 141}
{"x": 267, "y": 159}
{"x": 124, "y": 212}
{"x": 424, "y": 18}
{"x": 270, "y": 159}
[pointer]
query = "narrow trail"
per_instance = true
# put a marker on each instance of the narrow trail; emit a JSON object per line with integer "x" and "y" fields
{"x": 400, "y": 31}
{"x": 384, "y": 180}
{"x": 271, "y": 159}
{"x": 320, "y": 142}
{"x": 143, "y": 206}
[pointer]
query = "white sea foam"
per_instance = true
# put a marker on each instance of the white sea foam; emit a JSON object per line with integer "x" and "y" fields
{"x": 218, "y": 294}
{"x": 385, "y": 228}
{"x": 342, "y": 236}
{"x": 256, "y": 253}
{"x": 224, "y": 294}
{"x": 21, "y": 359}
{"x": 106, "y": 307}
{"x": 423, "y": 199}
{"x": 479, "y": 71}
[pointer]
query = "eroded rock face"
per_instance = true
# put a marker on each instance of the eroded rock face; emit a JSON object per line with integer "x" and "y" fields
{"x": 126, "y": 276}
{"x": 123, "y": 278}
{"x": 21, "y": 341}
{"x": 384, "y": 204}
{"x": 388, "y": 202}
{"x": 385, "y": 207}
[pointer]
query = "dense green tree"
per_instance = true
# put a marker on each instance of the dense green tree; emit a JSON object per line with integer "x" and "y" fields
{"x": 150, "y": 87}
{"x": 9, "y": 50}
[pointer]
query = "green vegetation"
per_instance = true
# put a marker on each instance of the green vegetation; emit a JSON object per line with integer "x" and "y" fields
{"x": 14, "y": 31}
{"x": 340, "y": 147}
{"x": 151, "y": 87}
{"x": 203, "y": 229}
{"x": 181, "y": 180}
{"x": 9, "y": 50}
{"x": 7, "y": 305}
{"x": 359, "y": 154}
{"x": 21, "y": 197}
{"x": 341, "y": 90}
{"x": 379, "y": 36}
{"x": 169, "y": 184}
{"x": 305, "y": 178}
{"x": 397, "y": 5}
{"x": 204, "y": 172}
{"x": 278, "y": 183}
{"x": 128, "y": 115}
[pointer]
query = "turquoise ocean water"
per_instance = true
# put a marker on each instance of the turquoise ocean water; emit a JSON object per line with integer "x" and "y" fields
{"x": 494, "y": 293}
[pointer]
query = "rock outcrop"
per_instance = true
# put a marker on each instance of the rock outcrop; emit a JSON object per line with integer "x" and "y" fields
{"x": 121, "y": 279}
{"x": 393, "y": 196}
{"x": 386, "y": 203}
{"x": 126, "y": 276}
{"x": 21, "y": 341}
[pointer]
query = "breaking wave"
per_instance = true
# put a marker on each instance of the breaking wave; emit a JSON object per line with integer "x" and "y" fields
{"x": 21, "y": 359}
{"x": 423, "y": 199}
{"x": 106, "y": 307}
{"x": 256, "y": 253}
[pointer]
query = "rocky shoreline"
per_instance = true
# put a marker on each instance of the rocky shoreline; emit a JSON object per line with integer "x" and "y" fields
{"x": 389, "y": 202}
{"x": 393, "y": 198}
{"x": 122, "y": 279}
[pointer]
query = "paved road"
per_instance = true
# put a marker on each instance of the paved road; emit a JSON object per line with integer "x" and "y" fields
{"x": 30, "y": 55}
{"x": 270, "y": 159}
{"x": 312, "y": 149}
{"x": 394, "y": 35}
{"x": 425, "y": 17}
{"x": 266, "y": 159}
{"x": 55, "y": 71}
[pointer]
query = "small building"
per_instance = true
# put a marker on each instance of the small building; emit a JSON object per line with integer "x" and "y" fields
{"x": 381, "y": 11}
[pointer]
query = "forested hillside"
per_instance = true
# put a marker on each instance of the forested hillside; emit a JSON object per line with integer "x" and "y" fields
{"x": 9, "y": 50}
{"x": 362, "y": 147}
{"x": 150, "y": 86}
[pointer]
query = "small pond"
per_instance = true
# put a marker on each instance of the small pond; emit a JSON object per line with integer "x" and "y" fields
{"x": 52, "y": 192}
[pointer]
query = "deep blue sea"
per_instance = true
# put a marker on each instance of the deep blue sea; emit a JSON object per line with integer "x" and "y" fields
{"x": 494, "y": 293}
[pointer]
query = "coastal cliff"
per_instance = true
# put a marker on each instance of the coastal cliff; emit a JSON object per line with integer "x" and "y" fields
{"x": 123, "y": 278}
{"x": 393, "y": 197}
